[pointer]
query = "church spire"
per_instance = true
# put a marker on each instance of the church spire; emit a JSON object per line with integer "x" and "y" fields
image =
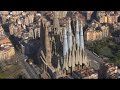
{"x": 58, "y": 66}
{"x": 65, "y": 43}
{"x": 69, "y": 36}
{"x": 47, "y": 45}
{"x": 56, "y": 20}
{"x": 81, "y": 37}
{"x": 77, "y": 33}
{"x": 69, "y": 59}
{"x": 73, "y": 58}
{"x": 66, "y": 60}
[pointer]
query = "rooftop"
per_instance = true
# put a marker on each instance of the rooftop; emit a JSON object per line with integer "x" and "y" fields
{"x": 4, "y": 40}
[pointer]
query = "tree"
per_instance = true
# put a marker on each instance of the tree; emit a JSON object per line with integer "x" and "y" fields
{"x": 106, "y": 51}
{"x": 111, "y": 28}
{"x": 97, "y": 48}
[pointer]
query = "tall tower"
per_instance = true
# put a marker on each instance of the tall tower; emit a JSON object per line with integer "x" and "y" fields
{"x": 82, "y": 54}
{"x": 56, "y": 30}
{"x": 65, "y": 43}
{"x": 62, "y": 14}
{"x": 4, "y": 15}
{"x": 65, "y": 50}
{"x": 81, "y": 37}
{"x": 56, "y": 21}
{"x": 69, "y": 36}
{"x": 73, "y": 56}
{"x": 47, "y": 45}
{"x": 69, "y": 59}
{"x": 89, "y": 13}
{"x": 58, "y": 66}
{"x": 77, "y": 33}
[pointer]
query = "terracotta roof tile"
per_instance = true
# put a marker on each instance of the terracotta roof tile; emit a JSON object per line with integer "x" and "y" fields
{"x": 5, "y": 40}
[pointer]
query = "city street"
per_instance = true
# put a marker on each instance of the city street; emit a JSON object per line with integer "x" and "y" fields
{"x": 26, "y": 66}
{"x": 95, "y": 61}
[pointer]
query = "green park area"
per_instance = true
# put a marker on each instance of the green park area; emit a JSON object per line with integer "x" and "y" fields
{"x": 106, "y": 48}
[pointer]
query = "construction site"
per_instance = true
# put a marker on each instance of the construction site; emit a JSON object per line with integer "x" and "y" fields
{"x": 63, "y": 53}
{"x": 56, "y": 40}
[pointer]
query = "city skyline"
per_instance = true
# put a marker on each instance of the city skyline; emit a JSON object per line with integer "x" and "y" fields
{"x": 60, "y": 44}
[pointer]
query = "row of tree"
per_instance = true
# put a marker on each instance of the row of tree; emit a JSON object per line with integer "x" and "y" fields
{"x": 106, "y": 48}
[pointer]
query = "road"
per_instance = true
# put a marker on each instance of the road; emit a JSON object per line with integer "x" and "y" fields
{"x": 95, "y": 61}
{"x": 30, "y": 70}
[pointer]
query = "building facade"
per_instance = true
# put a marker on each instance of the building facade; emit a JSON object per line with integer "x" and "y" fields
{"x": 7, "y": 51}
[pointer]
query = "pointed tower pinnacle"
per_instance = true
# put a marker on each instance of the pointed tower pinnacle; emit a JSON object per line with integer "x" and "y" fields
{"x": 77, "y": 33}
{"x": 81, "y": 37}
{"x": 56, "y": 20}
{"x": 66, "y": 60}
{"x": 69, "y": 36}
{"x": 69, "y": 59}
{"x": 80, "y": 57}
{"x": 86, "y": 62}
{"x": 58, "y": 66}
{"x": 47, "y": 45}
{"x": 65, "y": 43}
{"x": 73, "y": 57}
{"x": 64, "y": 64}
